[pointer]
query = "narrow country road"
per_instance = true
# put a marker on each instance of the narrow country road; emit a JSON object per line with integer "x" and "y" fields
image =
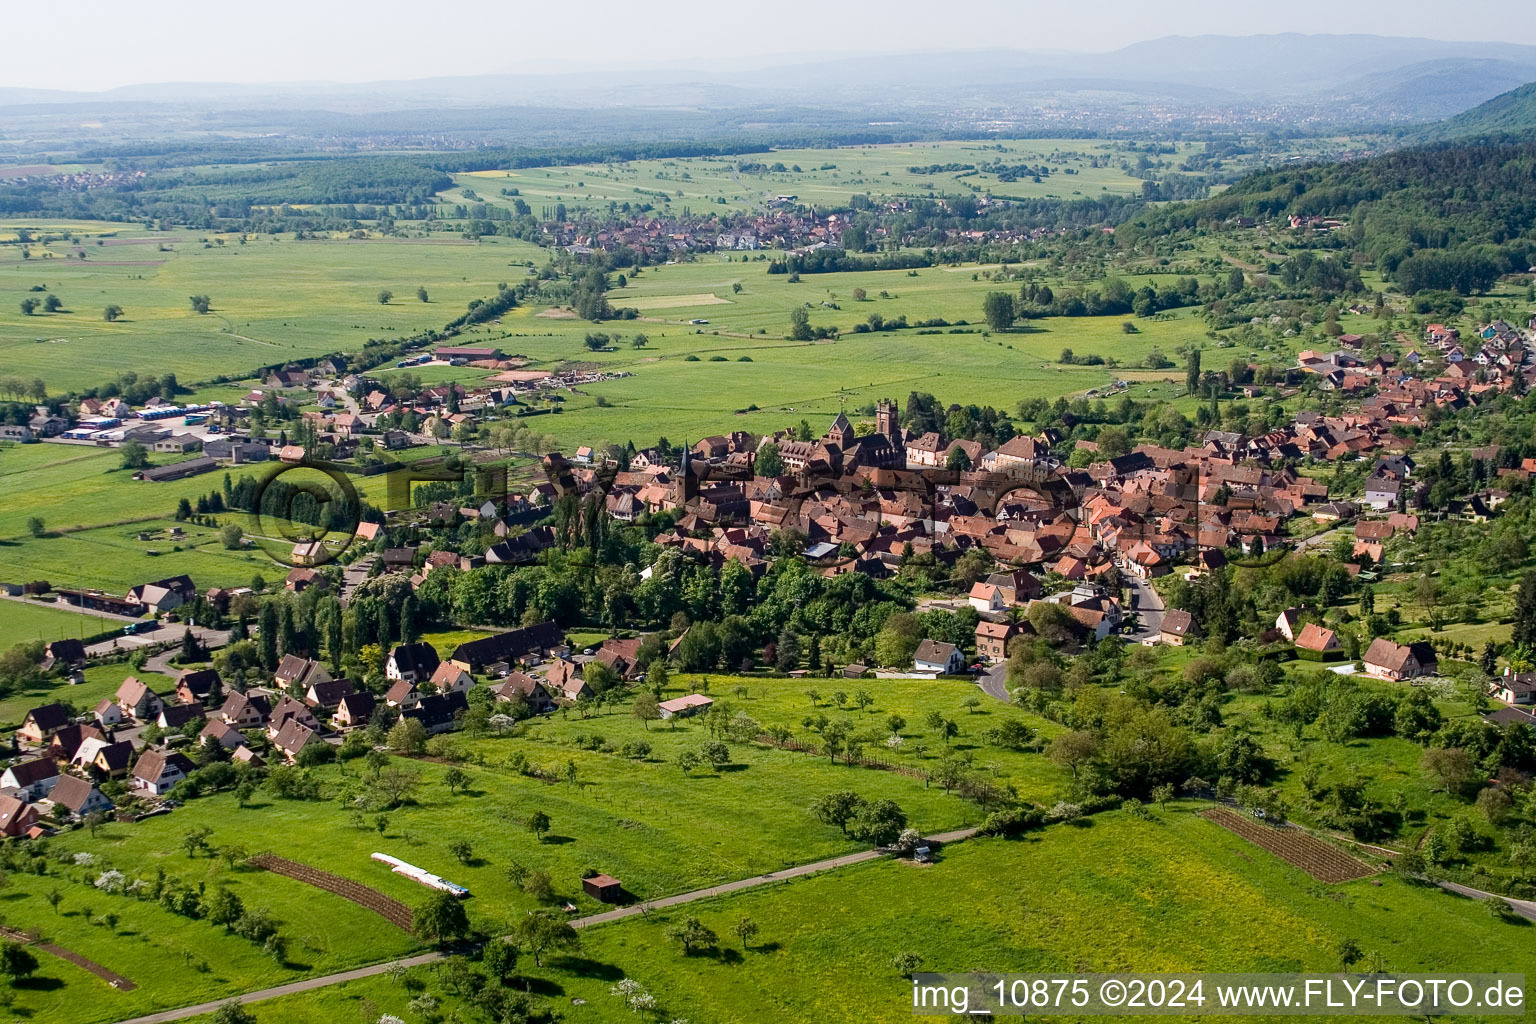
{"x": 1525, "y": 908}
{"x": 994, "y": 682}
{"x": 617, "y": 914}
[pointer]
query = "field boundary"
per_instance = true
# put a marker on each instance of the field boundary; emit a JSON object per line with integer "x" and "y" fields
{"x": 1300, "y": 849}
{"x": 391, "y": 910}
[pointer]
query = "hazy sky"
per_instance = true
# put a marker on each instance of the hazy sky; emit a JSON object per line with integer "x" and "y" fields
{"x": 95, "y": 44}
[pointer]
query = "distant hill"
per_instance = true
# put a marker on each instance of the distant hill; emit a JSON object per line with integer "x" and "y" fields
{"x": 1445, "y": 216}
{"x": 1359, "y": 78}
{"x": 1512, "y": 114}
{"x": 1434, "y": 89}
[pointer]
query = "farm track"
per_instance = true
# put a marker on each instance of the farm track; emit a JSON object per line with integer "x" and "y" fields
{"x": 391, "y": 910}
{"x": 602, "y": 917}
{"x": 1323, "y": 862}
{"x": 117, "y": 981}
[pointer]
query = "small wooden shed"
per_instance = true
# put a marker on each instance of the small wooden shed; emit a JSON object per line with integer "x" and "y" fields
{"x": 603, "y": 888}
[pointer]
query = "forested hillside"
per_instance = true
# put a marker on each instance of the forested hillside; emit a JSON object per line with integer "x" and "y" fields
{"x": 1449, "y": 217}
{"x": 1512, "y": 113}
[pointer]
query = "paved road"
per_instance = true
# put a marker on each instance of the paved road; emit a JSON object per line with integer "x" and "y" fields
{"x": 1525, "y": 908}
{"x": 148, "y": 634}
{"x": 354, "y": 575}
{"x": 1148, "y": 609}
{"x": 617, "y": 914}
{"x": 994, "y": 682}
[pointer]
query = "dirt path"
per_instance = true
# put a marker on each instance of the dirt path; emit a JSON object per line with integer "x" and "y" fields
{"x": 617, "y": 914}
{"x": 117, "y": 981}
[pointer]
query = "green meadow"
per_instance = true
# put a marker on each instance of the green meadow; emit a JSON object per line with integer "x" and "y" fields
{"x": 1169, "y": 893}
{"x": 31, "y": 620}
{"x": 273, "y": 299}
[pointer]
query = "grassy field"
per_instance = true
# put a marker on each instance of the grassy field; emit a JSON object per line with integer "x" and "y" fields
{"x": 1173, "y": 893}
{"x": 33, "y": 621}
{"x": 1115, "y": 893}
{"x": 272, "y": 300}
{"x": 641, "y": 820}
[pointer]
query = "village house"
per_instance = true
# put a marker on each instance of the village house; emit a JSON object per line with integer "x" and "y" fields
{"x": 1514, "y": 687}
{"x": 449, "y": 678}
{"x": 157, "y": 771}
{"x": 245, "y": 710}
{"x": 325, "y": 695}
{"x": 1288, "y": 623}
{"x": 108, "y": 758}
{"x": 1387, "y": 660}
{"x": 992, "y": 639}
{"x": 518, "y": 686}
{"x": 565, "y": 682}
{"x": 938, "y": 658}
{"x": 1317, "y": 639}
{"x": 175, "y": 717}
{"x": 31, "y": 779}
{"x": 355, "y": 710}
{"x": 290, "y": 708}
{"x": 199, "y": 687}
{"x": 437, "y": 712}
{"x": 293, "y": 737}
{"x": 108, "y": 713}
{"x": 987, "y": 598}
{"x": 41, "y": 723}
{"x": 77, "y": 797}
{"x": 16, "y": 816}
{"x": 411, "y": 662}
{"x": 528, "y": 645}
{"x": 222, "y": 733}
{"x": 298, "y": 674}
{"x": 1178, "y": 626}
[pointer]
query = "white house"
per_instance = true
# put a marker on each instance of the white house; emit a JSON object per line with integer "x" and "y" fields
{"x": 938, "y": 658}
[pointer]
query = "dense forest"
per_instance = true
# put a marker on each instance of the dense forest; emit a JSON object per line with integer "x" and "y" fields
{"x": 1447, "y": 217}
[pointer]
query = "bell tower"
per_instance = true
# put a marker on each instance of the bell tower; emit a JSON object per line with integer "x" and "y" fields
{"x": 887, "y": 416}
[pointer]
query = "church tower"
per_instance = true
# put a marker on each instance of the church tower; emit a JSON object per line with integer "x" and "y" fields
{"x": 887, "y": 419}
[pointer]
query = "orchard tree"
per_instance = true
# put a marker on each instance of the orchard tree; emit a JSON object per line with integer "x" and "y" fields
{"x": 441, "y": 918}
{"x": 693, "y": 934}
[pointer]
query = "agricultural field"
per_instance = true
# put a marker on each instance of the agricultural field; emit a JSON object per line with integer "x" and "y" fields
{"x": 1080, "y": 168}
{"x": 31, "y": 620}
{"x": 818, "y": 177}
{"x": 1119, "y": 893}
{"x": 273, "y": 299}
{"x": 643, "y": 820}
